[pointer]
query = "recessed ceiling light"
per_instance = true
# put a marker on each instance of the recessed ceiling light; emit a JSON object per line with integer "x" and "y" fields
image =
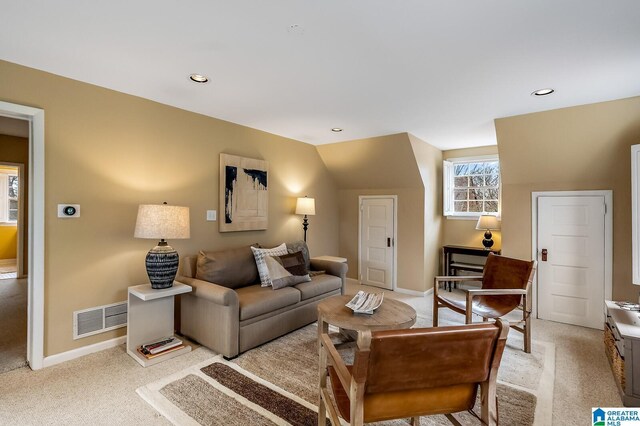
{"x": 295, "y": 29}
{"x": 336, "y": 129}
{"x": 542, "y": 92}
{"x": 198, "y": 78}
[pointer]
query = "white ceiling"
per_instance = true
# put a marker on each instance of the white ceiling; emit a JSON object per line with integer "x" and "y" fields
{"x": 439, "y": 69}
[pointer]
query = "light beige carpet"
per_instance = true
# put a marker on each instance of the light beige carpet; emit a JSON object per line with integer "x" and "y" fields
{"x": 192, "y": 396}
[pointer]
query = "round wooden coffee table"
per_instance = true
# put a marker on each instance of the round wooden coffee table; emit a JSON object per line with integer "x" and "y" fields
{"x": 392, "y": 314}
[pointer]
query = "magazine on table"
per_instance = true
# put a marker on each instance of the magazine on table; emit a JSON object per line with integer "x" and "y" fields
{"x": 160, "y": 345}
{"x": 365, "y": 303}
{"x": 151, "y": 356}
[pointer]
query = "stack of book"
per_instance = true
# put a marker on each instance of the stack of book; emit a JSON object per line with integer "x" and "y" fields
{"x": 160, "y": 347}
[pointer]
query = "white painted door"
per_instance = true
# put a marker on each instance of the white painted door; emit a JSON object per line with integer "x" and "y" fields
{"x": 571, "y": 281}
{"x": 376, "y": 241}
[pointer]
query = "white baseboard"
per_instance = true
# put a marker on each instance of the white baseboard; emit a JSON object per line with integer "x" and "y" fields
{"x": 398, "y": 290}
{"x": 85, "y": 350}
{"x": 413, "y": 292}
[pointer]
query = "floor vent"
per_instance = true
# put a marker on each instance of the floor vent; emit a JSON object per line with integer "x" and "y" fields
{"x": 88, "y": 322}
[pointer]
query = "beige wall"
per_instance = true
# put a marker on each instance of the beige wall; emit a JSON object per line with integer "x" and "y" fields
{"x": 109, "y": 152}
{"x": 15, "y": 149}
{"x": 410, "y": 244}
{"x": 580, "y": 148}
{"x": 429, "y": 161}
{"x": 398, "y": 165}
{"x": 462, "y": 231}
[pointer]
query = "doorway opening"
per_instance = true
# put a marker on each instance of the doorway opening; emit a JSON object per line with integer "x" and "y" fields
{"x": 12, "y": 178}
{"x": 32, "y": 262}
{"x": 14, "y": 152}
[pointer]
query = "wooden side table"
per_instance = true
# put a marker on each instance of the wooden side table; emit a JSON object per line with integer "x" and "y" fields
{"x": 150, "y": 317}
{"x": 391, "y": 315}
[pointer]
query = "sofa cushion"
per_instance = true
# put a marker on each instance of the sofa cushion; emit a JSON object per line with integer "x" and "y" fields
{"x": 302, "y": 247}
{"x": 259, "y": 255}
{"x": 294, "y": 263}
{"x": 280, "y": 277}
{"x": 256, "y": 300}
{"x": 233, "y": 268}
{"x": 319, "y": 285}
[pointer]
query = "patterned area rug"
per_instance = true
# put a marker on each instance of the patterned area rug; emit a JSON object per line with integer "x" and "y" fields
{"x": 276, "y": 383}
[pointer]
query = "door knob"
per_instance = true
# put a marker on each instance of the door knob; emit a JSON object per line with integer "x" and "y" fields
{"x": 388, "y": 242}
{"x": 544, "y": 255}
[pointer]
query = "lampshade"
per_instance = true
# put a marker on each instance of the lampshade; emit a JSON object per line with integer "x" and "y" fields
{"x": 488, "y": 222}
{"x": 162, "y": 221}
{"x": 306, "y": 205}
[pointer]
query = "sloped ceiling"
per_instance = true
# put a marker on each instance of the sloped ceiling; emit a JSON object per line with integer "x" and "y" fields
{"x": 376, "y": 163}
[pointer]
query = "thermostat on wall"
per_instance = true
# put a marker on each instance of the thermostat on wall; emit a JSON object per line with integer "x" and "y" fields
{"x": 68, "y": 210}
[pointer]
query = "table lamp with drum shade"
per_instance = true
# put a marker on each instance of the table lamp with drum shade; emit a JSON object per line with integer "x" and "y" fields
{"x": 487, "y": 223}
{"x": 307, "y": 207}
{"x": 163, "y": 222}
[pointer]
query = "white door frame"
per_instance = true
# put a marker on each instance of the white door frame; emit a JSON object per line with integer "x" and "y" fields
{"x": 394, "y": 246}
{"x": 20, "y": 225}
{"x": 608, "y": 236}
{"x": 35, "y": 269}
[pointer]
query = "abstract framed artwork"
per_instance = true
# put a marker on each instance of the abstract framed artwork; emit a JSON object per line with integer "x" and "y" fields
{"x": 244, "y": 193}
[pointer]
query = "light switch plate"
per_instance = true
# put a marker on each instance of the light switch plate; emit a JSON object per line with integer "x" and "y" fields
{"x": 68, "y": 210}
{"x": 212, "y": 215}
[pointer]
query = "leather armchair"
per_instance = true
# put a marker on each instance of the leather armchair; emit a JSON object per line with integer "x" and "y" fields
{"x": 506, "y": 285}
{"x": 413, "y": 373}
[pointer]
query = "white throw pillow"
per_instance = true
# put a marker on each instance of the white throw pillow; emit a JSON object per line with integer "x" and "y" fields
{"x": 259, "y": 254}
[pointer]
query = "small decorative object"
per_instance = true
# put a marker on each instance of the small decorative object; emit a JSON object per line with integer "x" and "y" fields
{"x": 365, "y": 303}
{"x": 243, "y": 193}
{"x": 487, "y": 223}
{"x": 161, "y": 221}
{"x": 628, "y": 306}
{"x": 307, "y": 207}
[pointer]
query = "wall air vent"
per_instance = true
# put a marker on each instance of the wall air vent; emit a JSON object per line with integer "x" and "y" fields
{"x": 88, "y": 322}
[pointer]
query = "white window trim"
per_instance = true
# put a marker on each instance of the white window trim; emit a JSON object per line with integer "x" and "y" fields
{"x": 4, "y": 198}
{"x": 447, "y": 201}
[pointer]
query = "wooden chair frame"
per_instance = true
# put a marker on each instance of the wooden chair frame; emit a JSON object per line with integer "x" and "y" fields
{"x": 523, "y": 326}
{"x": 355, "y": 381}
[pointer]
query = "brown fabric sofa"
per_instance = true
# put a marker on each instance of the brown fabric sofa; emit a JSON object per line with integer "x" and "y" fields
{"x": 233, "y": 316}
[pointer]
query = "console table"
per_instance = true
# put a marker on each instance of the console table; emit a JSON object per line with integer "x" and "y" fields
{"x": 451, "y": 266}
{"x": 622, "y": 346}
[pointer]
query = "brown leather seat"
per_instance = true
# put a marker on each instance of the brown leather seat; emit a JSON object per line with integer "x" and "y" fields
{"x": 506, "y": 284}
{"x": 412, "y": 373}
